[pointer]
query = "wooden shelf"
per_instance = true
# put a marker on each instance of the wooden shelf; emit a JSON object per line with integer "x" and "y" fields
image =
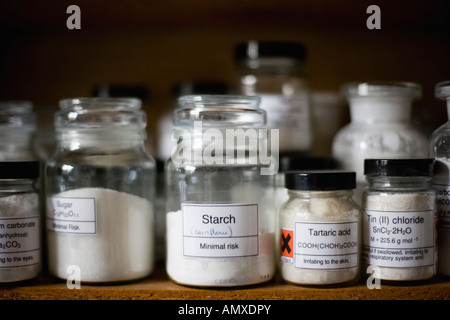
{"x": 159, "y": 287}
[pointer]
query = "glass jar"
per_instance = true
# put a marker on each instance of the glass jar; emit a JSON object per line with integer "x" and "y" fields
{"x": 440, "y": 150}
{"x": 274, "y": 72}
{"x": 380, "y": 127}
{"x": 399, "y": 220}
{"x": 100, "y": 192}
{"x": 320, "y": 229}
{"x": 17, "y": 126}
{"x": 20, "y": 241}
{"x": 219, "y": 197}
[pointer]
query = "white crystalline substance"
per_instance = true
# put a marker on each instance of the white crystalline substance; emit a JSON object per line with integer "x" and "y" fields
{"x": 326, "y": 209}
{"x": 413, "y": 202}
{"x": 218, "y": 272}
{"x": 19, "y": 206}
{"x": 121, "y": 250}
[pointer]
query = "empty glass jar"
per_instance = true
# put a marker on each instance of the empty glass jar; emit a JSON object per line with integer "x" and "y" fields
{"x": 220, "y": 216}
{"x": 274, "y": 71}
{"x": 100, "y": 192}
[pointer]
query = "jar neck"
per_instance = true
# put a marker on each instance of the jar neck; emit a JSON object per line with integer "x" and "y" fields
{"x": 380, "y": 109}
{"x": 11, "y": 186}
{"x": 271, "y": 66}
{"x": 103, "y": 137}
{"x": 308, "y": 194}
{"x": 399, "y": 183}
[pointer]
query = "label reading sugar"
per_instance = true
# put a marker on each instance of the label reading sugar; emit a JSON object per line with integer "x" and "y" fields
{"x": 19, "y": 242}
{"x": 220, "y": 230}
{"x": 399, "y": 239}
{"x": 323, "y": 245}
{"x": 71, "y": 215}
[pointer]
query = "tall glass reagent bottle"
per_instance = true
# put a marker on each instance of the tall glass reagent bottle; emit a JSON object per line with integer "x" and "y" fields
{"x": 100, "y": 192}
{"x": 220, "y": 218}
{"x": 440, "y": 150}
{"x": 18, "y": 124}
{"x": 274, "y": 72}
{"x": 380, "y": 127}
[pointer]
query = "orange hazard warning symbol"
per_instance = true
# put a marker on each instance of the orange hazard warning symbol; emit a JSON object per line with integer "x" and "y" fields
{"x": 287, "y": 241}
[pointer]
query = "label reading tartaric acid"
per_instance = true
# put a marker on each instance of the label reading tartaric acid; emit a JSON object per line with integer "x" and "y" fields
{"x": 323, "y": 245}
{"x": 19, "y": 242}
{"x": 71, "y": 215}
{"x": 220, "y": 230}
{"x": 399, "y": 239}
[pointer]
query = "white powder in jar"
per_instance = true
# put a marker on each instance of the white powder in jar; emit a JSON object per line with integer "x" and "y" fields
{"x": 216, "y": 272}
{"x": 20, "y": 248}
{"x": 324, "y": 209}
{"x": 118, "y": 245}
{"x": 399, "y": 250}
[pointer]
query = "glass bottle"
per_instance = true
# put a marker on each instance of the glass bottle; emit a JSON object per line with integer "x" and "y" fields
{"x": 440, "y": 150}
{"x": 399, "y": 242}
{"x": 274, "y": 72}
{"x": 20, "y": 244}
{"x": 380, "y": 126}
{"x": 320, "y": 229}
{"x": 17, "y": 127}
{"x": 100, "y": 192}
{"x": 219, "y": 191}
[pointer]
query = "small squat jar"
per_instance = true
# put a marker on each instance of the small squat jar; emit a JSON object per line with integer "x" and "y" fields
{"x": 100, "y": 192}
{"x": 20, "y": 241}
{"x": 440, "y": 150}
{"x": 399, "y": 242}
{"x": 320, "y": 229}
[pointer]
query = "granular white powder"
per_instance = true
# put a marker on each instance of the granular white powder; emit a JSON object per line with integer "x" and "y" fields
{"x": 422, "y": 235}
{"x": 122, "y": 247}
{"x": 218, "y": 272}
{"x": 19, "y": 217}
{"x": 328, "y": 209}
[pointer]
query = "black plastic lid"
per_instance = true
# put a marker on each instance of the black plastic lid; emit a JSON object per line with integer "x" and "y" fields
{"x": 19, "y": 170}
{"x": 398, "y": 167}
{"x": 320, "y": 180}
{"x": 269, "y": 49}
{"x": 293, "y": 162}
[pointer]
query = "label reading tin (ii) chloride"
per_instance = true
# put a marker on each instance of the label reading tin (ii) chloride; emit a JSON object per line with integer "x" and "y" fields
{"x": 220, "y": 230}
{"x": 399, "y": 239}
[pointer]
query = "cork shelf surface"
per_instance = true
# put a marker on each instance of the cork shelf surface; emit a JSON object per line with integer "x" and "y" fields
{"x": 159, "y": 287}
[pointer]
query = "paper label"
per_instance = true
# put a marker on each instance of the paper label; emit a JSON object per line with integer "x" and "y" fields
{"x": 324, "y": 245}
{"x": 220, "y": 230}
{"x": 399, "y": 239}
{"x": 19, "y": 242}
{"x": 71, "y": 215}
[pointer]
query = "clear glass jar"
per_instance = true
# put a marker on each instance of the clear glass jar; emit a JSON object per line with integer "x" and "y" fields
{"x": 320, "y": 229}
{"x": 100, "y": 192}
{"x": 380, "y": 127}
{"x": 399, "y": 242}
{"x": 274, "y": 72}
{"x": 440, "y": 150}
{"x": 20, "y": 244}
{"x": 219, "y": 198}
{"x": 17, "y": 126}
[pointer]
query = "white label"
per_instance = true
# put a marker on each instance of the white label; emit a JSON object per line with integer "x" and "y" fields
{"x": 443, "y": 205}
{"x": 222, "y": 230}
{"x": 19, "y": 242}
{"x": 399, "y": 239}
{"x": 71, "y": 215}
{"x": 323, "y": 245}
